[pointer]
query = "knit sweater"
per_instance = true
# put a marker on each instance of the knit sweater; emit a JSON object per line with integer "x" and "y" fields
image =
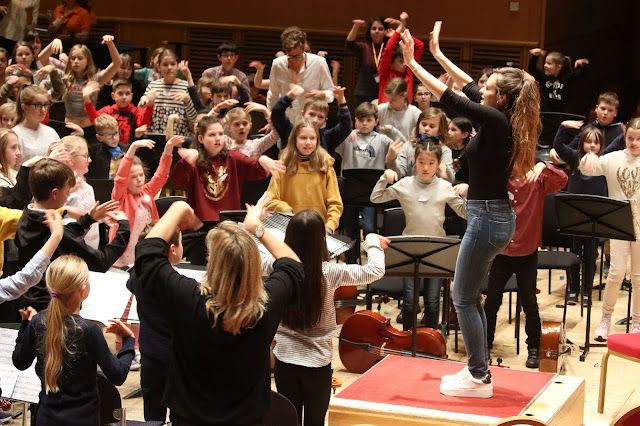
{"x": 423, "y": 202}
{"x": 307, "y": 189}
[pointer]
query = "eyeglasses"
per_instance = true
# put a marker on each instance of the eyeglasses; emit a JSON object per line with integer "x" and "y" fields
{"x": 111, "y": 135}
{"x": 300, "y": 56}
{"x": 85, "y": 156}
{"x": 423, "y": 94}
{"x": 40, "y": 107}
{"x": 228, "y": 55}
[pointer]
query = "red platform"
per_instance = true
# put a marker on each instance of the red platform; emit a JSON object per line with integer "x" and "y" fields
{"x": 415, "y": 382}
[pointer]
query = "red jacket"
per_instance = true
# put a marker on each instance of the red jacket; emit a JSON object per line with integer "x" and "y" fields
{"x": 129, "y": 119}
{"x": 218, "y": 188}
{"x": 386, "y": 73}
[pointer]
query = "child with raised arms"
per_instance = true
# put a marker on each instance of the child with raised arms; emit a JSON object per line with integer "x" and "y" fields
{"x": 423, "y": 198}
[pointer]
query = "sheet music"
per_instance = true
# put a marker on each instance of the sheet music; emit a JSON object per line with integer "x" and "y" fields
{"x": 108, "y": 296}
{"x": 196, "y": 274}
{"x": 21, "y": 385}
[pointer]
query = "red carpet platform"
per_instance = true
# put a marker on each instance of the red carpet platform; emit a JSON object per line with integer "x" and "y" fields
{"x": 408, "y": 388}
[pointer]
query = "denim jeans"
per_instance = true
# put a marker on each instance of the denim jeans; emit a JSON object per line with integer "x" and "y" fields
{"x": 490, "y": 227}
{"x": 431, "y": 296}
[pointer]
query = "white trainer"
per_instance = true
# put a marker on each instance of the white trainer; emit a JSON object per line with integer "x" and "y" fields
{"x": 461, "y": 373}
{"x": 468, "y": 387}
{"x": 635, "y": 327}
{"x": 602, "y": 332}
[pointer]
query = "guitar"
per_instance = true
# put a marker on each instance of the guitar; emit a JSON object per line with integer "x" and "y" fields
{"x": 553, "y": 347}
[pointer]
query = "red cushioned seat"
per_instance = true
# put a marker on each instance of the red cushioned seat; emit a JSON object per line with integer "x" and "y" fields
{"x": 628, "y": 344}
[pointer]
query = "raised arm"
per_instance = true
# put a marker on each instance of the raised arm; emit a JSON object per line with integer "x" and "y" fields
{"x": 114, "y": 66}
{"x": 434, "y": 85}
{"x": 460, "y": 77}
{"x": 53, "y": 48}
{"x": 353, "y": 33}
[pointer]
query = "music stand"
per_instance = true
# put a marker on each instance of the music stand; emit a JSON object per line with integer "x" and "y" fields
{"x": 594, "y": 217}
{"x": 420, "y": 257}
{"x": 358, "y": 185}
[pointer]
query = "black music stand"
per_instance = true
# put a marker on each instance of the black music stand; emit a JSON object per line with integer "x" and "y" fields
{"x": 593, "y": 216}
{"x": 358, "y": 185}
{"x": 420, "y": 257}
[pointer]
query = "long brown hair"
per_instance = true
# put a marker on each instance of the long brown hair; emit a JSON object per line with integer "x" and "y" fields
{"x": 204, "y": 158}
{"x": 65, "y": 277}
{"x": 69, "y": 77}
{"x": 233, "y": 278}
{"x": 443, "y": 125}
{"x": 318, "y": 160}
{"x": 522, "y": 107}
{"x": 306, "y": 236}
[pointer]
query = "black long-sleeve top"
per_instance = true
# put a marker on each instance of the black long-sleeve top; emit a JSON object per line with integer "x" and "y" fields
{"x": 329, "y": 138}
{"x": 578, "y": 183}
{"x": 32, "y": 233}
{"x": 214, "y": 377}
{"x": 489, "y": 151}
{"x": 77, "y": 402}
{"x": 20, "y": 195}
{"x": 553, "y": 90}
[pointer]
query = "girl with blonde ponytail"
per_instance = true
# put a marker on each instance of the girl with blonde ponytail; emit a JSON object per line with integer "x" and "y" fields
{"x": 506, "y": 112}
{"x": 68, "y": 349}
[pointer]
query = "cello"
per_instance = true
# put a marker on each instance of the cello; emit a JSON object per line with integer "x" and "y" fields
{"x": 367, "y": 337}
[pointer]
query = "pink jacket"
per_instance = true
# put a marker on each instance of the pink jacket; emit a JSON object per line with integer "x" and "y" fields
{"x": 128, "y": 202}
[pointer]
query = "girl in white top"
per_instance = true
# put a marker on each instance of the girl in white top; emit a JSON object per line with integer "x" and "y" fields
{"x": 397, "y": 112}
{"x": 82, "y": 195}
{"x": 9, "y": 154}
{"x": 304, "y": 339}
{"x": 34, "y": 138}
{"x": 621, "y": 170}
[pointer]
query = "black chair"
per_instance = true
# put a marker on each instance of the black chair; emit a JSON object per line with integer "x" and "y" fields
{"x": 281, "y": 413}
{"x": 102, "y": 188}
{"x": 111, "y": 410}
{"x": 511, "y": 287}
{"x": 393, "y": 223}
{"x": 252, "y": 190}
{"x": 163, "y": 203}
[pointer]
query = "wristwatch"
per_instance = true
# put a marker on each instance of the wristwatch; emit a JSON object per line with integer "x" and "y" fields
{"x": 259, "y": 232}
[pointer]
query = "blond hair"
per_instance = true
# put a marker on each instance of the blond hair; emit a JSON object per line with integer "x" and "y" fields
{"x": 8, "y": 107}
{"x": 69, "y": 77}
{"x": 236, "y": 114}
{"x": 65, "y": 277}
{"x": 318, "y": 160}
{"x": 233, "y": 280}
{"x": 105, "y": 122}
{"x": 72, "y": 144}
{"x": 4, "y": 141}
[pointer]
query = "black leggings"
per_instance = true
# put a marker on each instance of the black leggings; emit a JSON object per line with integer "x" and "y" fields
{"x": 305, "y": 386}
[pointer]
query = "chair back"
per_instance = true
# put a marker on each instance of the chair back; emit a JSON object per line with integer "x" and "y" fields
{"x": 393, "y": 222}
{"x": 109, "y": 399}
{"x": 550, "y": 231}
{"x": 252, "y": 190}
{"x": 102, "y": 189}
{"x": 163, "y": 203}
{"x": 281, "y": 413}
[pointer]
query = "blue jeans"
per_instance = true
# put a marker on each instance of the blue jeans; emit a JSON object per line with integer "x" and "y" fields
{"x": 490, "y": 227}
{"x": 431, "y": 296}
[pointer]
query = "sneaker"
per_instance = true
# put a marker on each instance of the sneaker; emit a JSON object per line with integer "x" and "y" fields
{"x": 468, "y": 386}
{"x": 135, "y": 365}
{"x": 451, "y": 377}
{"x": 573, "y": 299}
{"x": 602, "y": 332}
{"x": 635, "y": 327}
{"x": 533, "y": 360}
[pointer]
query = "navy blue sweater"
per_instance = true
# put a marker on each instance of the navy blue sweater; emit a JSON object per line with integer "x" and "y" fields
{"x": 77, "y": 402}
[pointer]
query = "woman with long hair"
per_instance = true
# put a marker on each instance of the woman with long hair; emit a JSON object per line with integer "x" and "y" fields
{"x": 506, "y": 111}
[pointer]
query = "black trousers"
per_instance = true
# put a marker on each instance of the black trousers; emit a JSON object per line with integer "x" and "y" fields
{"x": 153, "y": 379}
{"x": 525, "y": 268}
{"x": 305, "y": 387}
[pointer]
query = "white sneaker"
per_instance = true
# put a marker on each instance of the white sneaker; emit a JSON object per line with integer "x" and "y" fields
{"x": 602, "y": 332}
{"x": 635, "y": 327}
{"x": 451, "y": 377}
{"x": 469, "y": 387}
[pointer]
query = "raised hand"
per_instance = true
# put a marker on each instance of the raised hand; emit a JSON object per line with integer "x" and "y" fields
{"x": 580, "y": 62}
{"x": 111, "y": 218}
{"x": 257, "y": 65}
{"x": 181, "y": 97}
{"x": 91, "y": 88}
{"x": 255, "y": 214}
{"x": 140, "y": 131}
{"x": 395, "y": 148}
{"x": 359, "y": 22}
{"x": 151, "y": 97}
{"x": 230, "y": 79}
{"x": 461, "y": 189}
{"x": 99, "y": 211}
{"x": 119, "y": 328}
{"x": 27, "y": 314}
{"x": 338, "y": 91}
{"x": 294, "y": 91}
{"x": 59, "y": 153}
{"x": 189, "y": 155}
{"x": 591, "y": 162}
{"x": 537, "y": 51}
{"x": 434, "y": 39}
{"x": 254, "y": 106}
{"x": 53, "y": 220}
{"x": 407, "y": 46}
{"x": 573, "y": 124}
{"x": 107, "y": 39}
{"x": 315, "y": 94}
{"x": 142, "y": 143}
{"x": 76, "y": 130}
{"x": 272, "y": 166}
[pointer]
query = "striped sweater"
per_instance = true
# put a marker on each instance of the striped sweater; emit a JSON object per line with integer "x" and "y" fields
{"x": 164, "y": 106}
{"x": 314, "y": 347}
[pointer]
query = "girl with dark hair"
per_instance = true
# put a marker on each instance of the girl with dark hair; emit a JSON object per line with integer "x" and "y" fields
{"x": 304, "y": 339}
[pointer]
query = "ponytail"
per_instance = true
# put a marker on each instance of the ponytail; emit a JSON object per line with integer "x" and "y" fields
{"x": 65, "y": 277}
{"x": 523, "y": 109}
